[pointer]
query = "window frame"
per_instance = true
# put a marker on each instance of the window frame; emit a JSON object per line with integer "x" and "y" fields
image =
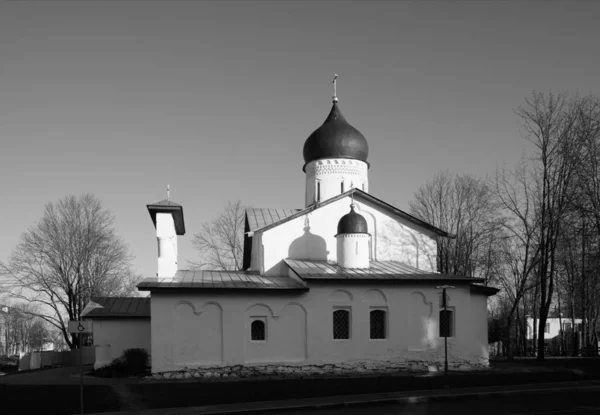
{"x": 348, "y": 309}
{"x": 386, "y": 326}
{"x": 263, "y": 320}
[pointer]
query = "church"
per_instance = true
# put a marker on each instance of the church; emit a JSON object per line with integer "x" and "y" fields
{"x": 348, "y": 283}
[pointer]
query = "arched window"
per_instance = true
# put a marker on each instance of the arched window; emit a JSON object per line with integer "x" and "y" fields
{"x": 378, "y": 324}
{"x": 341, "y": 324}
{"x": 257, "y": 330}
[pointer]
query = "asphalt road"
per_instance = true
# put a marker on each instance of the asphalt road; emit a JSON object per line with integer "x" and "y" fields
{"x": 573, "y": 401}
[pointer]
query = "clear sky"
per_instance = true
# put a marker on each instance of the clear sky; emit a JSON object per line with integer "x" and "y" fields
{"x": 121, "y": 98}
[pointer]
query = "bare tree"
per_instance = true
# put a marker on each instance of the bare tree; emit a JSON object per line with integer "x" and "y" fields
{"x": 463, "y": 205}
{"x": 71, "y": 255}
{"x": 220, "y": 242}
{"x": 549, "y": 124}
{"x": 515, "y": 193}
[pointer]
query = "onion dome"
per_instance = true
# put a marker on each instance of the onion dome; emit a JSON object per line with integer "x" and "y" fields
{"x": 335, "y": 139}
{"x": 352, "y": 223}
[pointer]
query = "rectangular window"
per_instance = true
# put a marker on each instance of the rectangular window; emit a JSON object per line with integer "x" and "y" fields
{"x": 567, "y": 327}
{"x": 446, "y": 323}
{"x": 341, "y": 324}
{"x": 318, "y": 191}
{"x": 363, "y": 187}
{"x": 547, "y": 328}
{"x": 378, "y": 324}
{"x": 342, "y": 186}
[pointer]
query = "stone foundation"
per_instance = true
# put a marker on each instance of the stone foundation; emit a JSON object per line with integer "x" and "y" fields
{"x": 309, "y": 370}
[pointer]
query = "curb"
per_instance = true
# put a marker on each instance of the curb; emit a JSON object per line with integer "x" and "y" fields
{"x": 417, "y": 397}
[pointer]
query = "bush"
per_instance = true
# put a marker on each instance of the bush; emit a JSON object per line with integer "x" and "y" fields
{"x": 133, "y": 362}
{"x": 136, "y": 360}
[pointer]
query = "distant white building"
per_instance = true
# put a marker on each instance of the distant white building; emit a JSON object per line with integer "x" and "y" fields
{"x": 553, "y": 327}
{"x": 348, "y": 281}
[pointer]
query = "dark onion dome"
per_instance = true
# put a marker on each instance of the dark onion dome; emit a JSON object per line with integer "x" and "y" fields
{"x": 335, "y": 139}
{"x": 352, "y": 223}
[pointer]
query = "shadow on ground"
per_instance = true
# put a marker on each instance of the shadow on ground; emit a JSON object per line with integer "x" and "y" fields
{"x": 114, "y": 395}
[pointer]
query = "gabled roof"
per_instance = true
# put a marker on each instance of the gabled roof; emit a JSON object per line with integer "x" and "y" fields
{"x": 261, "y": 217}
{"x": 382, "y": 271}
{"x": 358, "y": 194}
{"x": 230, "y": 280}
{"x": 124, "y": 307}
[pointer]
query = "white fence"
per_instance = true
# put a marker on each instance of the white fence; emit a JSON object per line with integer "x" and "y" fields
{"x": 38, "y": 360}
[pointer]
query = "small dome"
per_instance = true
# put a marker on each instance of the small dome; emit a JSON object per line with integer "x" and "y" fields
{"x": 352, "y": 223}
{"x": 335, "y": 139}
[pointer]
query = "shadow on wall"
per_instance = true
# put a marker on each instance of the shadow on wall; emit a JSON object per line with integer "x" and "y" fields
{"x": 308, "y": 246}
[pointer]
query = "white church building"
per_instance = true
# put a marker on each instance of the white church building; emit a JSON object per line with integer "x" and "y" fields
{"x": 347, "y": 283}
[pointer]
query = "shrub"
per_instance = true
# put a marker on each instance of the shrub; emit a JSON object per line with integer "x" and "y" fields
{"x": 136, "y": 361}
{"x": 133, "y": 362}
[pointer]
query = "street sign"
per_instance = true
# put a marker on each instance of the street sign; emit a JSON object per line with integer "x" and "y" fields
{"x": 83, "y": 327}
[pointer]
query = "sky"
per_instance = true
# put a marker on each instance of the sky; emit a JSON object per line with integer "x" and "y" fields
{"x": 120, "y": 99}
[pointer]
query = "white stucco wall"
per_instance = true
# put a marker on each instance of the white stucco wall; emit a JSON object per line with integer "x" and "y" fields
{"x": 329, "y": 174}
{"x": 312, "y": 236}
{"x": 195, "y": 330}
{"x": 122, "y": 334}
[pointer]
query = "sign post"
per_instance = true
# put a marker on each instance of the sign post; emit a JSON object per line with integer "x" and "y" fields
{"x": 445, "y": 328}
{"x": 80, "y": 328}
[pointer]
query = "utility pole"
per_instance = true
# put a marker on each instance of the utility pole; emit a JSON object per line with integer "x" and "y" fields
{"x": 445, "y": 323}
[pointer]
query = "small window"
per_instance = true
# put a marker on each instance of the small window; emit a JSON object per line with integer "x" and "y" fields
{"x": 318, "y": 191}
{"x": 257, "y": 330}
{"x": 363, "y": 187}
{"x": 342, "y": 186}
{"x": 341, "y": 324}
{"x": 378, "y": 324}
{"x": 446, "y": 323}
{"x": 567, "y": 327}
{"x": 547, "y": 328}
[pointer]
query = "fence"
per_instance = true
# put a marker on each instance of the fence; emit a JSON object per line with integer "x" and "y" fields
{"x": 37, "y": 360}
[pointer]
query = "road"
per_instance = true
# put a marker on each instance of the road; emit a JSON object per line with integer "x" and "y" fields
{"x": 573, "y": 401}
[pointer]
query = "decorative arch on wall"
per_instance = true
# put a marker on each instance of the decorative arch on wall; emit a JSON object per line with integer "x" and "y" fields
{"x": 265, "y": 307}
{"x": 374, "y": 296}
{"x": 191, "y": 305}
{"x": 197, "y": 335}
{"x": 341, "y": 296}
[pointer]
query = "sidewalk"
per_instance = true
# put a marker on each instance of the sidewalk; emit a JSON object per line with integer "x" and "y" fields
{"x": 413, "y": 397}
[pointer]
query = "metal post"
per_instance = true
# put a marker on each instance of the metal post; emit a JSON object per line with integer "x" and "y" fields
{"x": 81, "y": 373}
{"x": 445, "y": 340}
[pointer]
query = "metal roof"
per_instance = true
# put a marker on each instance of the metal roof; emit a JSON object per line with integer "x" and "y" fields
{"x": 378, "y": 270}
{"x": 259, "y": 218}
{"x": 358, "y": 194}
{"x": 230, "y": 280}
{"x": 120, "y": 307}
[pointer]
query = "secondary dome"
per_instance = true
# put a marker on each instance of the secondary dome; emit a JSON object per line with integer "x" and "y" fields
{"x": 352, "y": 223}
{"x": 335, "y": 139}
